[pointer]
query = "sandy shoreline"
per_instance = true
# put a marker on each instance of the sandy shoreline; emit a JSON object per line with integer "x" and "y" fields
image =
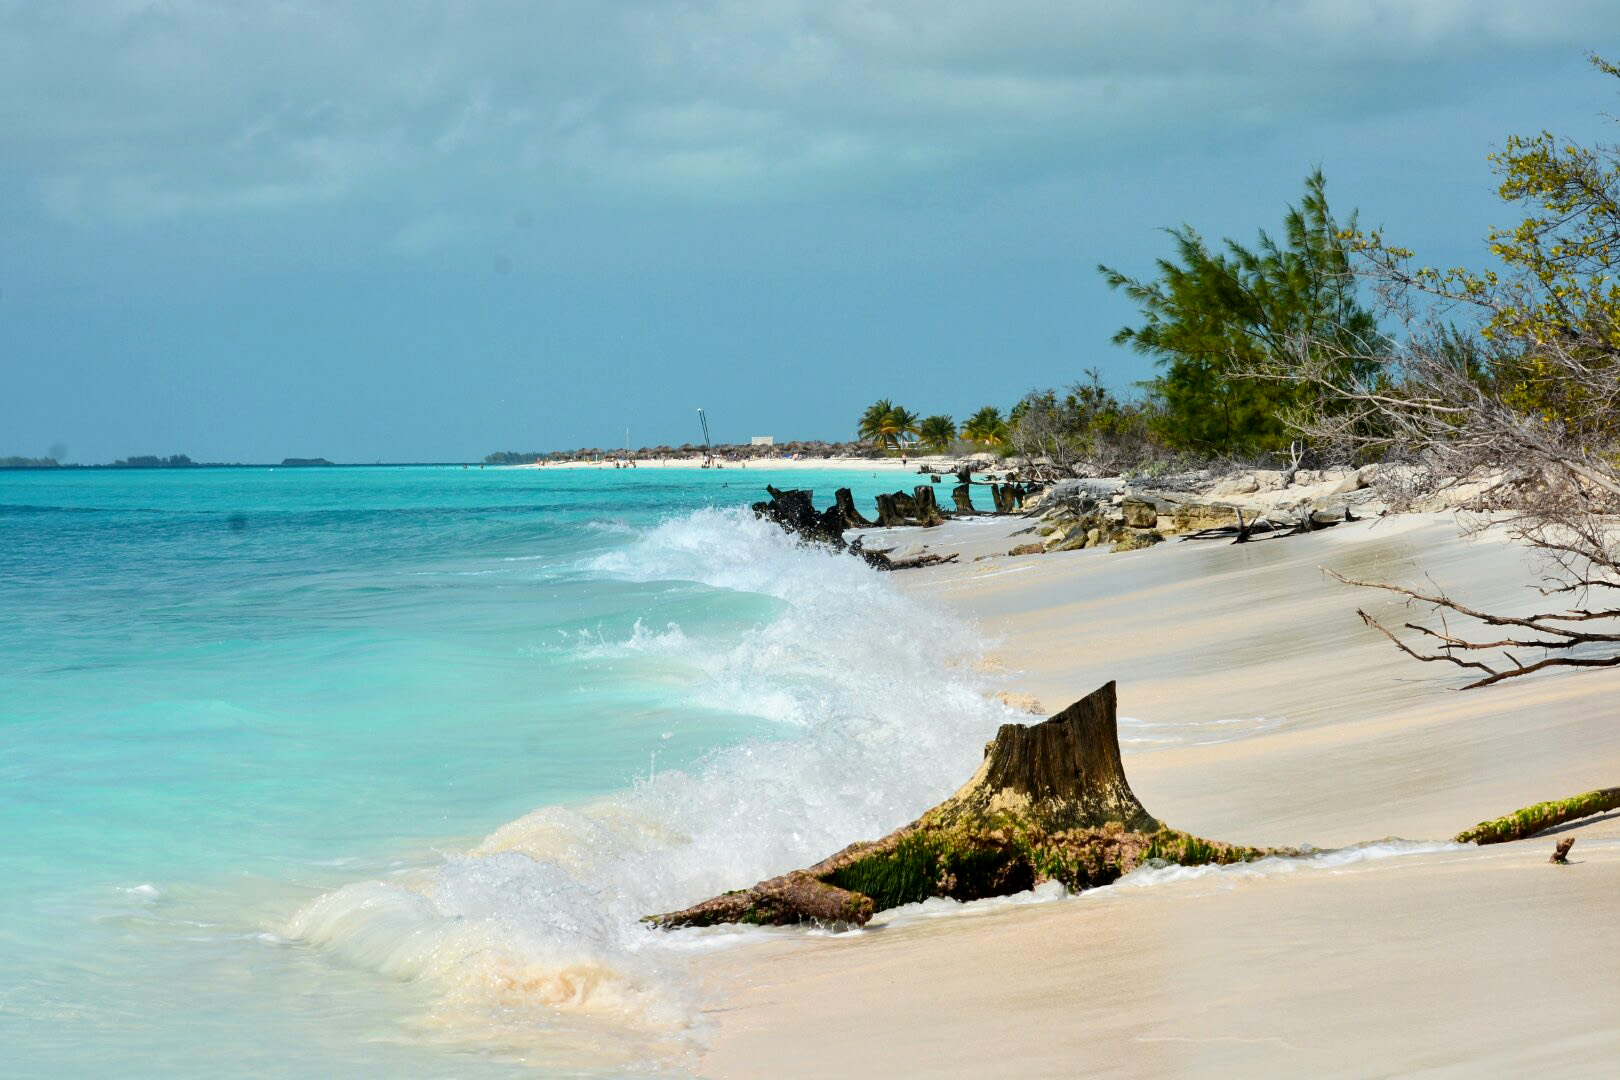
{"x": 851, "y": 464}
{"x": 1256, "y": 708}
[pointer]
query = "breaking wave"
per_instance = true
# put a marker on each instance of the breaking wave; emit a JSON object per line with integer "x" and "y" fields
{"x": 881, "y": 705}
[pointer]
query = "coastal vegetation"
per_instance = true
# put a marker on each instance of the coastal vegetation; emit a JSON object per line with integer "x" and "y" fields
{"x": 153, "y": 461}
{"x": 28, "y": 463}
{"x": 1327, "y": 345}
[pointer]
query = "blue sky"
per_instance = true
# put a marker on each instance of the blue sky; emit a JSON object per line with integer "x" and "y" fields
{"x": 424, "y": 231}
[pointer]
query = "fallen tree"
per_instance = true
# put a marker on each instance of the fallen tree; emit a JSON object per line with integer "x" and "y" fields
{"x": 1049, "y": 803}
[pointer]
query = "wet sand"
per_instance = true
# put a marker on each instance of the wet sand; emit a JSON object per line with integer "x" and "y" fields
{"x": 1255, "y": 707}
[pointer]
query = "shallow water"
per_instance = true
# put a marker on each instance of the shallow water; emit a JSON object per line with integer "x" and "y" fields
{"x": 370, "y": 771}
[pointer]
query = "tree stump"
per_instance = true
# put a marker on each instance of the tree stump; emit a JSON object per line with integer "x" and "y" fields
{"x": 846, "y": 507}
{"x": 888, "y": 513}
{"x": 963, "y": 496}
{"x": 927, "y": 506}
{"x": 1050, "y": 802}
{"x": 794, "y": 511}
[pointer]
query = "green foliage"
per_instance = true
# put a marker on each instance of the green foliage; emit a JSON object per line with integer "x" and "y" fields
{"x": 937, "y": 432}
{"x": 1086, "y": 422}
{"x": 1550, "y": 338}
{"x": 28, "y": 463}
{"x": 884, "y": 423}
{"x": 986, "y": 427}
{"x": 1214, "y": 316}
{"x": 152, "y": 461}
{"x": 513, "y": 457}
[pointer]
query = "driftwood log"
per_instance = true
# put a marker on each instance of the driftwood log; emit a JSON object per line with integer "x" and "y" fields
{"x": 1049, "y": 803}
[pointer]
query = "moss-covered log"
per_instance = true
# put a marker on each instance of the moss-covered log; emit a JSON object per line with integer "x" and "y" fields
{"x": 1050, "y": 802}
{"x": 1541, "y": 816}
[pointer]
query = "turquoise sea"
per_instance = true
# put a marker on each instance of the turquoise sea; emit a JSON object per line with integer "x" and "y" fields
{"x": 370, "y": 771}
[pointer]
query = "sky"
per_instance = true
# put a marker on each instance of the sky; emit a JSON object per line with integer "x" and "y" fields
{"x": 424, "y": 231}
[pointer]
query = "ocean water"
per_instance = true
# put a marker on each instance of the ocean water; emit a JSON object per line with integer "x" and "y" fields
{"x": 370, "y": 772}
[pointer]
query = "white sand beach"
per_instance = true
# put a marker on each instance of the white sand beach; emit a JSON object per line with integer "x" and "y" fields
{"x": 1257, "y": 708}
{"x": 892, "y": 465}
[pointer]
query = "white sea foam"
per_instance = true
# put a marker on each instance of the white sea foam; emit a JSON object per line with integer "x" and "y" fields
{"x": 884, "y": 710}
{"x": 1333, "y": 859}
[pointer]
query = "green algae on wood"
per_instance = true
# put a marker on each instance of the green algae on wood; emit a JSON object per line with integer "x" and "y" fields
{"x": 1543, "y": 815}
{"x": 1050, "y": 802}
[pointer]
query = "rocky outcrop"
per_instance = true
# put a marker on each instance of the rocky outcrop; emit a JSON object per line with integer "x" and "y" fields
{"x": 1194, "y": 517}
{"x": 1050, "y": 802}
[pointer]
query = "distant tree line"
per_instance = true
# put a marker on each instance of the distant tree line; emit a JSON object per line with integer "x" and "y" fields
{"x": 153, "y": 461}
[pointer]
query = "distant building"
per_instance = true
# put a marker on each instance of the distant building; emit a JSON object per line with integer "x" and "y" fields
{"x": 763, "y": 440}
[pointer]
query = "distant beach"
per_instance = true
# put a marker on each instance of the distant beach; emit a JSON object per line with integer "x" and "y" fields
{"x": 843, "y": 464}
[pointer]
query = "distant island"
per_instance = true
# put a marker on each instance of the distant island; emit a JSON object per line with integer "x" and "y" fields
{"x": 305, "y": 461}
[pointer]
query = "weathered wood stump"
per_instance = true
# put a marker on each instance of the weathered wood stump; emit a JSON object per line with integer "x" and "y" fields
{"x": 927, "y": 506}
{"x": 962, "y": 495}
{"x": 794, "y": 511}
{"x": 846, "y": 507}
{"x": 1049, "y": 803}
{"x": 888, "y": 514}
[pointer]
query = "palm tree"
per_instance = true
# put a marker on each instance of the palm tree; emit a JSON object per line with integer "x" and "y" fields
{"x": 902, "y": 422}
{"x": 874, "y": 422}
{"x": 884, "y": 422}
{"x": 986, "y": 426}
{"x": 937, "y": 432}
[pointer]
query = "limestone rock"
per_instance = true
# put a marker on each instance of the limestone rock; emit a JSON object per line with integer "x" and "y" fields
{"x": 1191, "y": 517}
{"x": 1247, "y": 484}
{"x": 1136, "y": 539}
{"x": 1140, "y": 514}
